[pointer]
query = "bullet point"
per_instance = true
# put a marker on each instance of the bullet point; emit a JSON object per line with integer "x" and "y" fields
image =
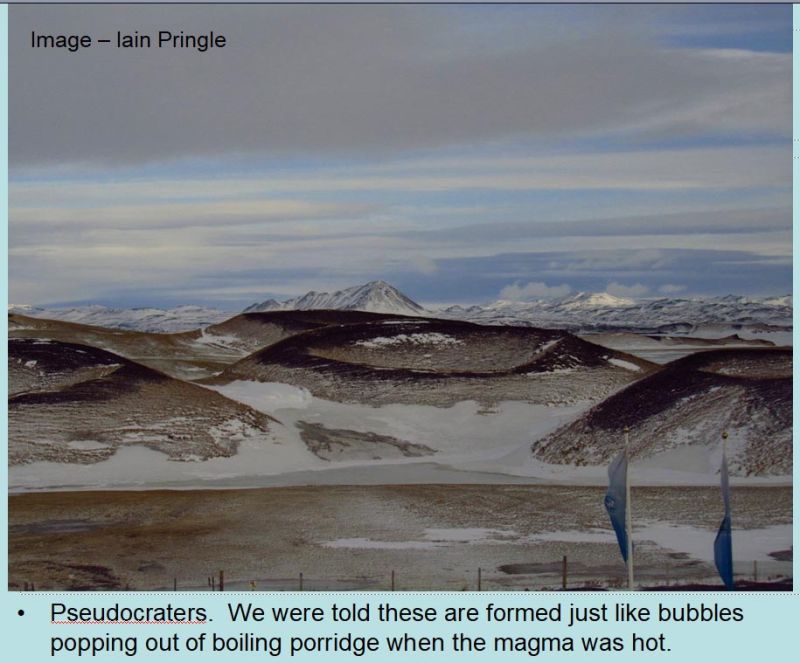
{"x": 20, "y": 612}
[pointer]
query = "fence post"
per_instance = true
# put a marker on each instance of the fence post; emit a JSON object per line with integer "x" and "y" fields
{"x": 301, "y": 581}
{"x": 174, "y": 584}
{"x": 479, "y": 578}
{"x": 564, "y": 572}
{"x": 392, "y": 579}
{"x": 221, "y": 580}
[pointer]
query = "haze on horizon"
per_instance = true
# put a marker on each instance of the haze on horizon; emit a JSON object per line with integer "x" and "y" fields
{"x": 461, "y": 153}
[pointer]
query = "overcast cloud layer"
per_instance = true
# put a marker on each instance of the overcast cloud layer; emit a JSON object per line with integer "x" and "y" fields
{"x": 331, "y": 145}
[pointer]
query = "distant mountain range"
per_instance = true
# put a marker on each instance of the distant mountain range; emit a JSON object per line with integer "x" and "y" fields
{"x": 180, "y": 318}
{"x": 581, "y": 311}
{"x": 595, "y": 311}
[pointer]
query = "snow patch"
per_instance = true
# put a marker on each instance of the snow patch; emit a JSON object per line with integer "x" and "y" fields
{"x": 369, "y": 544}
{"x": 87, "y": 445}
{"x": 627, "y": 365}
{"x": 432, "y": 538}
{"x": 469, "y": 534}
{"x": 267, "y": 396}
{"x": 748, "y": 545}
{"x": 431, "y": 338}
{"x": 697, "y": 543}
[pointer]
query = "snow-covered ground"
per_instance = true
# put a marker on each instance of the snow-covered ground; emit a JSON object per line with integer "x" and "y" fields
{"x": 472, "y": 445}
{"x": 462, "y": 433}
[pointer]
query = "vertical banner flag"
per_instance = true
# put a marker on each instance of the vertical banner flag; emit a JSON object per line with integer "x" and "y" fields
{"x": 723, "y": 548}
{"x": 616, "y": 501}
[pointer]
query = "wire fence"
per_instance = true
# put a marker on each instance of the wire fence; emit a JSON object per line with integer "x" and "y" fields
{"x": 559, "y": 575}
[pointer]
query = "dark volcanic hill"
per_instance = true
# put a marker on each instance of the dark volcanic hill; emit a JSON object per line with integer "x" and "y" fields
{"x": 440, "y": 362}
{"x": 75, "y": 403}
{"x": 252, "y": 331}
{"x": 195, "y": 354}
{"x": 185, "y": 355}
{"x": 682, "y": 410}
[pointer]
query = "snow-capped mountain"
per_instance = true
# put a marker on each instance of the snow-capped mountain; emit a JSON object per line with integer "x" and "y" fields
{"x": 180, "y": 318}
{"x": 375, "y": 297}
{"x": 591, "y": 301}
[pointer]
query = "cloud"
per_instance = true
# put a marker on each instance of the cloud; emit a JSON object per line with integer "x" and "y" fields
{"x": 620, "y": 290}
{"x": 671, "y": 289}
{"x": 683, "y": 224}
{"x": 662, "y": 170}
{"x": 424, "y": 265}
{"x": 458, "y": 150}
{"x": 185, "y": 215}
{"x": 168, "y": 270}
{"x": 531, "y": 290}
{"x": 346, "y": 80}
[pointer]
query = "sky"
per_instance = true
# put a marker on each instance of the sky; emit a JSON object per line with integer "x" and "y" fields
{"x": 462, "y": 153}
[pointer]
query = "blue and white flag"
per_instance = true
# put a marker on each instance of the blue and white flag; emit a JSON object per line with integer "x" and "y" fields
{"x": 723, "y": 548}
{"x": 616, "y": 501}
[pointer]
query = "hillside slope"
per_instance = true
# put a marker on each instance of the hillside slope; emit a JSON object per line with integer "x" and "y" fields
{"x": 676, "y": 416}
{"x": 77, "y": 404}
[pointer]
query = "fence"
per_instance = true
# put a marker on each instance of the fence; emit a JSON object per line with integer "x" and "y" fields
{"x": 555, "y": 576}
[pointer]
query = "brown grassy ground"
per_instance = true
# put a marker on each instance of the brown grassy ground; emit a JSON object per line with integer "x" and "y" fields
{"x": 144, "y": 540}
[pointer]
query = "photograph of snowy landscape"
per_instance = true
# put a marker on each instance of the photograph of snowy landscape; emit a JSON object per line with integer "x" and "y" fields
{"x": 402, "y": 297}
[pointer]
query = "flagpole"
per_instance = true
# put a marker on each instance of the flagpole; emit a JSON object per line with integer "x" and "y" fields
{"x": 723, "y": 547}
{"x": 628, "y": 528}
{"x": 728, "y": 509}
